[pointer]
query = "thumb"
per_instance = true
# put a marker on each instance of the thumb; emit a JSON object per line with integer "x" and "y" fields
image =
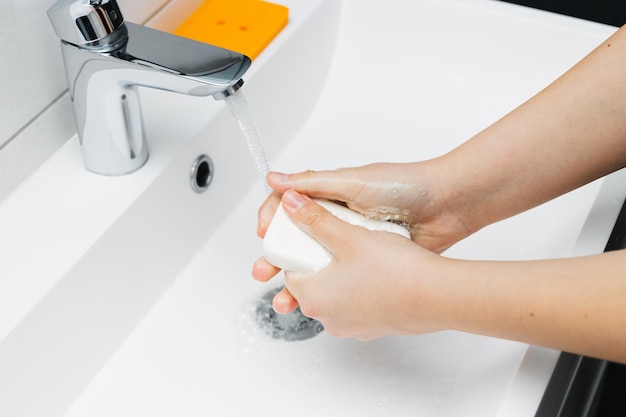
{"x": 318, "y": 222}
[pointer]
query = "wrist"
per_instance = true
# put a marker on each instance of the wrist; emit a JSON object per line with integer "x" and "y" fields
{"x": 472, "y": 194}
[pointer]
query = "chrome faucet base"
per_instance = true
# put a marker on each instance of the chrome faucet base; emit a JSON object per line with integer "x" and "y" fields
{"x": 107, "y": 60}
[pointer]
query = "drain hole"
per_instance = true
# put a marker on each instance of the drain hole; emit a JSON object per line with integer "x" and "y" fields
{"x": 293, "y": 326}
{"x": 201, "y": 173}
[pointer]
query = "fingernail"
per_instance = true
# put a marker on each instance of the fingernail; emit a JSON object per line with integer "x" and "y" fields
{"x": 277, "y": 177}
{"x": 294, "y": 200}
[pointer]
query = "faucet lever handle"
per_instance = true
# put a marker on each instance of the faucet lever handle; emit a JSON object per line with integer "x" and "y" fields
{"x": 86, "y": 22}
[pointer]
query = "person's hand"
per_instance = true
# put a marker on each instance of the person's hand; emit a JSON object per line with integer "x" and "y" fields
{"x": 370, "y": 287}
{"x": 406, "y": 193}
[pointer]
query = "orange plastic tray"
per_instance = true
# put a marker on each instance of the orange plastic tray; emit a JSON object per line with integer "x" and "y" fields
{"x": 244, "y": 26}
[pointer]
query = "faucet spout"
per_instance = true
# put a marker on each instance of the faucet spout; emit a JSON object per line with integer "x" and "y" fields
{"x": 107, "y": 60}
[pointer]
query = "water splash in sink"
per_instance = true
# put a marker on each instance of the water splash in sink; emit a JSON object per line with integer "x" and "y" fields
{"x": 294, "y": 325}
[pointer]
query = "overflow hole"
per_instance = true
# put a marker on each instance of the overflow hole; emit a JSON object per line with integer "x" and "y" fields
{"x": 201, "y": 173}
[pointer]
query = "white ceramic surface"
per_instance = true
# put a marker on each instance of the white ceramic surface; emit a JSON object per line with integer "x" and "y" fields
{"x": 131, "y": 296}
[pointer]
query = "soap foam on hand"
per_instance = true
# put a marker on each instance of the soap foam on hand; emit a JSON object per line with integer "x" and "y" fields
{"x": 288, "y": 247}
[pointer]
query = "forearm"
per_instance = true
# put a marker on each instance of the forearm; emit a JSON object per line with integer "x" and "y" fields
{"x": 576, "y": 305}
{"x": 571, "y": 133}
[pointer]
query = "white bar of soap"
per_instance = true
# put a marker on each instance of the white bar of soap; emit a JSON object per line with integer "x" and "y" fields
{"x": 288, "y": 247}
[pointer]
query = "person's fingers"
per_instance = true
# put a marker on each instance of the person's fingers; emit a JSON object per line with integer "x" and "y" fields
{"x": 333, "y": 233}
{"x": 333, "y": 185}
{"x": 284, "y": 302}
{"x": 266, "y": 213}
{"x": 325, "y": 184}
{"x": 263, "y": 271}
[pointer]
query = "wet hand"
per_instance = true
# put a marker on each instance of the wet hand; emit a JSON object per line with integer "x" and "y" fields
{"x": 367, "y": 290}
{"x": 411, "y": 193}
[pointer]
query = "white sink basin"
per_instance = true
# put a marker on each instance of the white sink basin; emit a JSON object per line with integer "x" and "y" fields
{"x": 132, "y": 296}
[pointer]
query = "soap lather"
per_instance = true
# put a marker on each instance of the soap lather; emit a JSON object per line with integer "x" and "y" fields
{"x": 288, "y": 247}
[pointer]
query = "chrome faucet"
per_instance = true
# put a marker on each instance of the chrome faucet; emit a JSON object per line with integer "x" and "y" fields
{"x": 107, "y": 59}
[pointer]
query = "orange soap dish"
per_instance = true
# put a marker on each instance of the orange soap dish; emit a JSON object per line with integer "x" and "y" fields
{"x": 244, "y": 26}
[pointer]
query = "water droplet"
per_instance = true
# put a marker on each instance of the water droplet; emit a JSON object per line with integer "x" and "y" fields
{"x": 442, "y": 388}
{"x": 383, "y": 402}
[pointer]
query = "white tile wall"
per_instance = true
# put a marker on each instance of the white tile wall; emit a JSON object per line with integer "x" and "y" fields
{"x": 31, "y": 75}
{"x": 35, "y": 114}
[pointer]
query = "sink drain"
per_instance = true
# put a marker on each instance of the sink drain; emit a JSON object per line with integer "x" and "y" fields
{"x": 201, "y": 173}
{"x": 292, "y": 326}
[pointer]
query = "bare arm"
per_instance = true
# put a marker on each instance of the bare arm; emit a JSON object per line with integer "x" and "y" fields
{"x": 569, "y": 134}
{"x": 398, "y": 287}
{"x": 577, "y": 305}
